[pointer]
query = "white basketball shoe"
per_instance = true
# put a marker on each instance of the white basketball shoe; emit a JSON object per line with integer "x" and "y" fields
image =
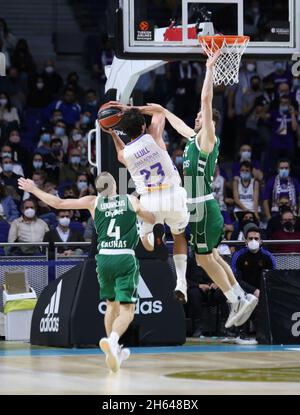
{"x": 241, "y": 310}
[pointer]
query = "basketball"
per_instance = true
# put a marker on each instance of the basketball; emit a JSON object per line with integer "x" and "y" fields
{"x": 109, "y": 117}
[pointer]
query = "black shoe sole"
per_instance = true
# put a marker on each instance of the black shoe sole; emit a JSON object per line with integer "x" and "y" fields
{"x": 179, "y": 296}
{"x": 160, "y": 248}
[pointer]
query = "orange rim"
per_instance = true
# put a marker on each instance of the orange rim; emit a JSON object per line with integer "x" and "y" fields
{"x": 219, "y": 39}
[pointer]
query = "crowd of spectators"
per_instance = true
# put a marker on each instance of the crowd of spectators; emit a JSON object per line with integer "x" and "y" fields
{"x": 44, "y": 121}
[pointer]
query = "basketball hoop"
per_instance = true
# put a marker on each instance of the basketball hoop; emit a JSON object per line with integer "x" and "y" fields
{"x": 226, "y": 68}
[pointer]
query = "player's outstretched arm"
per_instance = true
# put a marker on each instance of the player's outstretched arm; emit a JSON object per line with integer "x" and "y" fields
{"x": 142, "y": 213}
{"x": 29, "y": 186}
{"x": 207, "y": 136}
{"x": 177, "y": 123}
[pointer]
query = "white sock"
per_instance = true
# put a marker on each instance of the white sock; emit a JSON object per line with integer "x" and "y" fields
{"x": 114, "y": 337}
{"x": 238, "y": 290}
{"x": 231, "y": 296}
{"x": 180, "y": 262}
{"x": 150, "y": 238}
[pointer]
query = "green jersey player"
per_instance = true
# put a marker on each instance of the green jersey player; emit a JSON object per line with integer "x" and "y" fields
{"x": 206, "y": 221}
{"x": 115, "y": 219}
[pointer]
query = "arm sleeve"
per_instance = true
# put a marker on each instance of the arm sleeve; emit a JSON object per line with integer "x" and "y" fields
{"x": 270, "y": 262}
{"x": 13, "y": 232}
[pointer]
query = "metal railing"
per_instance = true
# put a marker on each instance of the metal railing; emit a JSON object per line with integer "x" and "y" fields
{"x": 41, "y": 269}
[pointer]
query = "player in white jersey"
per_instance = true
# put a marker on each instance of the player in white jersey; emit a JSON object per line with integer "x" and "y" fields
{"x": 158, "y": 183}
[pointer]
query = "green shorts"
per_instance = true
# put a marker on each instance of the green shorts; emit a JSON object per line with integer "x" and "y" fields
{"x": 118, "y": 277}
{"x": 206, "y": 227}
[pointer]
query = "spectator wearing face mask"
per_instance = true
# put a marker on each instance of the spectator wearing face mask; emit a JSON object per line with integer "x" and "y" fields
{"x": 8, "y": 208}
{"x": 43, "y": 146}
{"x": 239, "y": 225}
{"x": 69, "y": 172}
{"x": 284, "y": 125}
{"x": 245, "y": 154}
{"x": 38, "y": 164}
{"x": 38, "y": 96}
{"x": 60, "y": 132}
{"x": 246, "y": 192}
{"x": 20, "y": 154}
{"x": 22, "y": 58}
{"x": 247, "y": 265}
{"x": 86, "y": 122}
{"x": 14, "y": 86}
{"x": 274, "y": 224}
{"x": 8, "y": 113}
{"x": 6, "y": 151}
{"x": 8, "y": 177}
{"x": 91, "y": 103}
{"x": 84, "y": 186}
{"x": 75, "y": 138}
{"x": 63, "y": 233}
{"x": 287, "y": 231}
{"x": 73, "y": 82}
{"x": 27, "y": 228}
{"x": 283, "y": 184}
{"x": 177, "y": 158}
{"x": 280, "y": 75}
{"x": 68, "y": 106}
{"x": 53, "y": 81}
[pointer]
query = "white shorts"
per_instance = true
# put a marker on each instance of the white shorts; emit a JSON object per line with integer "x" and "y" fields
{"x": 168, "y": 206}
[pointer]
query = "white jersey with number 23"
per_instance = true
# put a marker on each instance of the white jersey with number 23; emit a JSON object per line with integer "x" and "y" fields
{"x": 149, "y": 165}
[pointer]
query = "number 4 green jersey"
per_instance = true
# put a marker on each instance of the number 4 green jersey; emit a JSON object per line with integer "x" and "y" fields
{"x": 116, "y": 223}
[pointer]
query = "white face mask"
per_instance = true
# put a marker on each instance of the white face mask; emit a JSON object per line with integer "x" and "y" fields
{"x": 246, "y": 155}
{"x": 64, "y": 221}
{"x": 29, "y": 213}
{"x": 250, "y": 67}
{"x": 253, "y": 245}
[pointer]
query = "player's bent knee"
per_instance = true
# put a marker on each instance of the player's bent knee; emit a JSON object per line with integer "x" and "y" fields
{"x": 204, "y": 260}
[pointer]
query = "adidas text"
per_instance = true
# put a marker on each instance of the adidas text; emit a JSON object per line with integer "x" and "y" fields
{"x": 142, "y": 307}
{"x": 49, "y": 324}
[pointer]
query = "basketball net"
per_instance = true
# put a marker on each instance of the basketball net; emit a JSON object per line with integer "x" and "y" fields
{"x": 226, "y": 68}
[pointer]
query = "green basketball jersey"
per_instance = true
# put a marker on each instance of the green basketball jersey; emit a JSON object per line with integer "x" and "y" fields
{"x": 199, "y": 168}
{"x": 116, "y": 223}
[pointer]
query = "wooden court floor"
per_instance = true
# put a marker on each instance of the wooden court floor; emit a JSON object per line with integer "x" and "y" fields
{"x": 33, "y": 370}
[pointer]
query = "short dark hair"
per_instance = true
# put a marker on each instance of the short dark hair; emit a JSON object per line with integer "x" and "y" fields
{"x": 284, "y": 160}
{"x": 287, "y": 210}
{"x": 30, "y": 199}
{"x": 62, "y": 210}
{"x": 132, "y": 122}
{"x": 246, "y": 164}
{"x": 251, "y": 227}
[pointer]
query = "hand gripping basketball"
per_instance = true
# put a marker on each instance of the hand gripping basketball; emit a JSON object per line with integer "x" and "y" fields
{"x": 109, "y": 117}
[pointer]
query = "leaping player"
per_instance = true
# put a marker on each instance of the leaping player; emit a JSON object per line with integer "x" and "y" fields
{"x": 206, "y": 223}
{"x": 158, "y": 182}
